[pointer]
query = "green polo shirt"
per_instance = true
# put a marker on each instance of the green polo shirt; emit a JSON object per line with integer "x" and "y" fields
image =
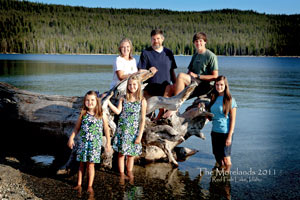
{"x": 203, "y": 64}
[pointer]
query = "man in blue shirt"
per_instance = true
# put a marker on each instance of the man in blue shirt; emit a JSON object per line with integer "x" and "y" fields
{"x": 160, "y": 60}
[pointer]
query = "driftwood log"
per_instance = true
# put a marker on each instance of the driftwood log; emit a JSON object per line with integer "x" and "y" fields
{"x": 54, "y": 116}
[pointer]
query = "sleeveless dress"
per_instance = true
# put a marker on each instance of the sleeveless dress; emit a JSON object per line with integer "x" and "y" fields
{"x": 128, "y": 130}
{"x": 90, "y": 139}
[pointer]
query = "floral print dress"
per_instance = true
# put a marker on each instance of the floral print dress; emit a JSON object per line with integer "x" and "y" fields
{"x": 90, "y": 139}
{"x": 128, "y": 130}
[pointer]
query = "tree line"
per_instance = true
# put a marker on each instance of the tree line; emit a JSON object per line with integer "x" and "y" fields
{"x": 41, "y": 28}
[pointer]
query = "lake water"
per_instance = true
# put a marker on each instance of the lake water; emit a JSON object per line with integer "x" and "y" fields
{"x": 265, "y": 154}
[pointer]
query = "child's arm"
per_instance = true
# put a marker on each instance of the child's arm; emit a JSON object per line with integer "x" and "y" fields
{"x": 74, "y": 133}
{"x": 107, "y": 133}
{"x": 115, "y": 109}
{"x": 142, "y": 122}
{"x": 231, "y": 126}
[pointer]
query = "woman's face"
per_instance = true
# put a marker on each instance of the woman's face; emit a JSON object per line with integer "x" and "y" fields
{"x": 133, "y": 86}
{"x": 125, "y": 49}
{"x": 220, "y": 86}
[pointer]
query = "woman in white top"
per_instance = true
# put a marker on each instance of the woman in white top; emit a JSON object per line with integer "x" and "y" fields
{"x": 125, "y": 64}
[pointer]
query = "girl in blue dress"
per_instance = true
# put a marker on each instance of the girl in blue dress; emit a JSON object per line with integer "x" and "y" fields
{"x": 90, "y": 126}
{"x": 127, "y": 140}
{"x": 223, "y": 106}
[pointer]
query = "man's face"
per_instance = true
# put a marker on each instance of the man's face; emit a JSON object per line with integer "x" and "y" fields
{"x": 156, "y": 41}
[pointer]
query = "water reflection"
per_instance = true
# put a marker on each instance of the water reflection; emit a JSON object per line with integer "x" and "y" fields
{"x": 162, "y": 180}
{"x": 44, "y": 160}
{"x": 220, "y": 186}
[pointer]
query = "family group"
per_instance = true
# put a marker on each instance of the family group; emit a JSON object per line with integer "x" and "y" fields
{"x": 132, "y": 107}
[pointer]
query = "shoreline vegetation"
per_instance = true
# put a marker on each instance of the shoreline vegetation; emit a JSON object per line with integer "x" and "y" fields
{"x": 112, "y": 54}
{"x": 55, "y": 29}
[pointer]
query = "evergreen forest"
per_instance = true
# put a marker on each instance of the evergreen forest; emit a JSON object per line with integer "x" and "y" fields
{"x": 41, "y": 28}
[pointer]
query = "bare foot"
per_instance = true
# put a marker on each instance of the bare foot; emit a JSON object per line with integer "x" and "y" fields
{"x": 78, "y": 187}
{"x": 90, "y": 190}
{"x": 169, "y": 113}
{"x": 122, "y": 178}
{"x": 79, "y": 190}
{"x": 131, "y": 177}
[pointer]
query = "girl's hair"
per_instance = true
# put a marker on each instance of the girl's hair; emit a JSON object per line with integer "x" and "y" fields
{"x": 131, "y": 47}
{"x": 139, "y": 94}
{"x": 98, "y": 108}
{"x": 227, "y": 96}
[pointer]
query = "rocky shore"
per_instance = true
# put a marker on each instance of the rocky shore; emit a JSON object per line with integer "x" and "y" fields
{"x": 21, "y": 178}
{"x": 12, "y": 185}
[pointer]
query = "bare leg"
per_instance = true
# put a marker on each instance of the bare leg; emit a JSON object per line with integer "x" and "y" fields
{"x": 91, "y": 171}
{"x": 131, "y": 177}
{"x": 170, "y": 89}
{"x": 121, "y": 164}
{"x": 80, "y": 174}
{"x": 121, "y": 159}
{"x": 182, "y": 81}
{"x": 130, "y": 164}
{"x": 227, "y": 162}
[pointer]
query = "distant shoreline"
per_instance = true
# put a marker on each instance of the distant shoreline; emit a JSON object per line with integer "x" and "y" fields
{"x": 80, "y": 54}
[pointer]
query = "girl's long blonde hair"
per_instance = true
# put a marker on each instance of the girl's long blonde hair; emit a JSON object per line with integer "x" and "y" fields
{"x": 98, "y": 108}
{"x": 138, "y": 93}
{"x": 227, "y": 96}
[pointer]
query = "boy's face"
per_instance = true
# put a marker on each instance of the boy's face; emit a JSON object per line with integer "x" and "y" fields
{"x": 199, "y": 44}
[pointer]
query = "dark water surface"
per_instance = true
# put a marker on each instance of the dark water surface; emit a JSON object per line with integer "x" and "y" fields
{"x": 265, "y": 154}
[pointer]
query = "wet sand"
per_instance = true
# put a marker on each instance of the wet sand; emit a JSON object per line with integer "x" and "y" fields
{"x": 152, "y": 181}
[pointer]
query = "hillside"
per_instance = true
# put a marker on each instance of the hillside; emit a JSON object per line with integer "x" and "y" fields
{"x": 39, "y": 28}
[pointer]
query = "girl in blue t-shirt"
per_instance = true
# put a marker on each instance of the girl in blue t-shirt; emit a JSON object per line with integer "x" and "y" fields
{"x": 223, "y": 106}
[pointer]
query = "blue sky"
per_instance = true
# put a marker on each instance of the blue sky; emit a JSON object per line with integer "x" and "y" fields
{"x": 261, "y": 6}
